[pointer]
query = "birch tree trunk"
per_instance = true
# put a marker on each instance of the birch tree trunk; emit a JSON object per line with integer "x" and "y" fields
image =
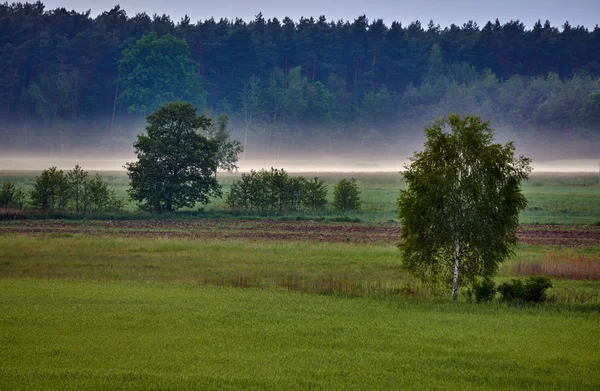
{"x": 456, "y": 270}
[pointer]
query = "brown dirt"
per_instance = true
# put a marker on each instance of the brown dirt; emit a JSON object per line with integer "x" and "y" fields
{"x": 560, "y": 235}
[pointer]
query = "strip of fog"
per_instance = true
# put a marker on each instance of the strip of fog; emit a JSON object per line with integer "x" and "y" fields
{"x": 314, "y": 164}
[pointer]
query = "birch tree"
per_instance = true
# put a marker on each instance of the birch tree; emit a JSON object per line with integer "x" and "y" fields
{"x": 460, "y": 210}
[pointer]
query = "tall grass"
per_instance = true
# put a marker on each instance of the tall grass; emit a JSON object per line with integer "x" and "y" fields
{"x": 563, "y": 265}
{"x": 344, "y": 269}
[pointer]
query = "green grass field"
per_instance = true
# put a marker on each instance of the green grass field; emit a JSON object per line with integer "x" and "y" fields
{"x": 553, "y": 198}
{"x": 64, "y": 334}
{"x": 346, "y": 269}
{"x": 99, "y": 305}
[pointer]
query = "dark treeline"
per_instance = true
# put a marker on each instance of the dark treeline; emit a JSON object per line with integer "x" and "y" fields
{"x": 64, "y": 80}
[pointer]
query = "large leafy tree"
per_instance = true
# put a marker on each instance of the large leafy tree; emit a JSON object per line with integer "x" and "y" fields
{"x": 157, "y": 70}
{"x": 460, "y": 210}
{"x": 176, "y": 164}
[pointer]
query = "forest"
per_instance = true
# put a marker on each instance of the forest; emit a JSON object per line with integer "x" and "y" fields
{"x": 70, "y": 80}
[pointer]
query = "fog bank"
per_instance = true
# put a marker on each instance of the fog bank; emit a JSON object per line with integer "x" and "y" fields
{"x": 298, "y": 164}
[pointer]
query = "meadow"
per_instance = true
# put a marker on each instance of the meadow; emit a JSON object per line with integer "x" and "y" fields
{"x": 65, "y": 334}
{"x": 291, "y": 302}
{"x": 554, "y": 198}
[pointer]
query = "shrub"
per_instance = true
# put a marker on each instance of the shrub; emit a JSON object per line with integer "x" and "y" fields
{"x": 54, "y": 191}
{"x": 50, "y": 191}
{"x": 78, "y": 181}
{"x": 275, "y": 191}
{"x": 11, "y": 196}
{"x": 484, "y": 290}
{"x": 531, "y": 290}
{"x": 315, "y": 194}
{"x": 346, "y": 195}
{"x": 100, "y": 197}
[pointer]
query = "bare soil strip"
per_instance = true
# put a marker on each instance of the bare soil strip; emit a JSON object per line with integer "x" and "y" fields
{"x": 314, "y": 231}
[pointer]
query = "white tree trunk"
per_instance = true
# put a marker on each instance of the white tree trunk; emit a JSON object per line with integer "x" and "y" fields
{"x": 456, "y": 268}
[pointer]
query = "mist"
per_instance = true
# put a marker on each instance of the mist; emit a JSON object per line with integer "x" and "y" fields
{"x": 367, "y": 152}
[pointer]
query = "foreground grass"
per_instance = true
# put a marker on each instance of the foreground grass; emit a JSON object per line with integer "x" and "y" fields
{"x": 59, "y": 334}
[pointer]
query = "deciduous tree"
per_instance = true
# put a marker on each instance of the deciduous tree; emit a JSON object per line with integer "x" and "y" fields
{"x": 460, "y": 210}
{"x": 157, "y": 70}
{"x": 176, "y": 164}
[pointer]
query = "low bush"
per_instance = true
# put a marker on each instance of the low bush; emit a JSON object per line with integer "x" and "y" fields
{"x": 530, "y": 290}
{"x": 11, "y": 197}
{"x": 484, "y": 290}
{"x": 276, "y": 192}
{"x": 57, "y": 192}
{"x": 346, "y": 196}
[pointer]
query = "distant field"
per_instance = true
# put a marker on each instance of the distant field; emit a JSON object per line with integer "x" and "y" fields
{"x": 553, "y": 198}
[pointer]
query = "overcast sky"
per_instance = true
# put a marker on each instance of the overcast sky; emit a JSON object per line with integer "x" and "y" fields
{"x": 577, "y": 12}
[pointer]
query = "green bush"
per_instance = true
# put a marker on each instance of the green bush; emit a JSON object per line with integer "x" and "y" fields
{"x": 530, "y": 290}
{"x": 11, "y": 197}
{"x": 484, "y": 290}
{"x": 276, "y": 192}
{"x": 54, "y": 191}
{"x": 315, "y": 194}
{"x": 51, "y": 191}
{"x": 346, "y": 195}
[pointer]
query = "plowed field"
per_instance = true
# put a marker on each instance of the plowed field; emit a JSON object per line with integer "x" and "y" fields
{"x": 314, "y": 231}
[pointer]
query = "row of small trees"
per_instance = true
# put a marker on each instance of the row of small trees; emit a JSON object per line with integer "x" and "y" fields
{"x": 56, "y": 191}
{"x": 275, "y": 191}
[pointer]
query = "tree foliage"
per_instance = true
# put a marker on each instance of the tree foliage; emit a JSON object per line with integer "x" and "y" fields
{"x": 78, "y": 181}
{"x": 228, "y": 150}
{"x": 176, "y": 164}
{"x": 157, "y": 70}
{"x": 460, "y": 210}
{"x": 11, "y": 196}
{"x": 315, "y": 194}
{"x": 274, "y": 191}
{"x": 50, "y": 191}
{"x": 346, "y": 195}
{"x": 68, "y": 78}
{"x": 75, "y": 191}
{"x": 530, "y": 290}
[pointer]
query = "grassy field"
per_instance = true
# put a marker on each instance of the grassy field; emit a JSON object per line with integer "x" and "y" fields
{"x": 258, "y": 304}
{"x": 553, "y": 198}
{"x": 95, "y": 311}
{"x": 347, "y": 269}
{"x": 63, "y": 334}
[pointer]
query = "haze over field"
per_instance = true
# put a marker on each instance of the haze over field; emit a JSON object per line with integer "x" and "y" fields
{"x": 317, "y": 164}
{"x": 301, "y": 91}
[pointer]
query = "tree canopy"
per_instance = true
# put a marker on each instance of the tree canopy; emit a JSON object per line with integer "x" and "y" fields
{"x": 70, "y": 79}
{"x": 460, "y": 209}
{"x": 176, "y": 164}
{"x": 157, "y": 70}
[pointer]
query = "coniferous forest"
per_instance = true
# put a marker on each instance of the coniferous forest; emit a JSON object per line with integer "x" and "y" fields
{"x": 68, "y": 79}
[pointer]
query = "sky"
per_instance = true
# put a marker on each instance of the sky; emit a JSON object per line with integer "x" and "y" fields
{"x": 577, "y": 12}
